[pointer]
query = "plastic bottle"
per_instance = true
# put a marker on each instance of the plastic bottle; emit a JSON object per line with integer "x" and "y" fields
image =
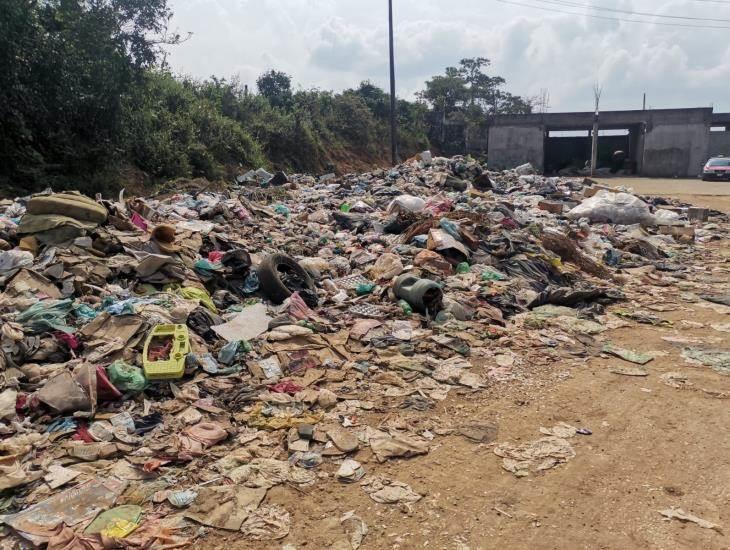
{"x": 364, "y": 289}
{"x": 406, "y": 307}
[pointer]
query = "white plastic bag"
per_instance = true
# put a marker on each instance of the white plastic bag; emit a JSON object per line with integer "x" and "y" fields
{"x": 666, "y": 217}
{"x": 525, "y": 169}
{"x": 607, "y": 207}
{"x": 406, "y": 203}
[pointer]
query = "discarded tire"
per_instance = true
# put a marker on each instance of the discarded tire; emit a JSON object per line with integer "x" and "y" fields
{"x": 280, "y": 276}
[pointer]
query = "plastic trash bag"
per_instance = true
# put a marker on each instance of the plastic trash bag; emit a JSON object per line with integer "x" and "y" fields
{"x": 85, "y": 313}
{"x": 386, "y": 267}
{"x": 451, "y": 227}
{"x": 202, "y": 296}
{"x": 47, "y": 316}
{"x": 666, "y": 217}
{"x": 14, "y": 259}
{"x": 608, "y": 207}
{"x": 407, "y": 203}
{"x": 126, "y": 377}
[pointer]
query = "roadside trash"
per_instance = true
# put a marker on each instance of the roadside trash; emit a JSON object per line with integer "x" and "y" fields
{"x": 250, "y": 323}
{"x": 629, "y": 371}
{"x": 405, "y": 307}
{"x": 354, "y": 526}
{"x": 343, "y": 440}
{"x": 422, "y": 295}
{"x": 225, "y": 507}
{"x": 696, "y": 214}
{"x": 479, "y": 433}
{"x": 269, "y": 522}
{"x": 280, "y": 275}
{"x": 350, "y": 471}
{"x": 163, "y": 240}
{"x": 165, "y": 351}
{"x": 82, "y": 503}
{"x": 490, "y": 275}
{"x": 116, "y": 523}
{"x": 560, "y": 430}
{"x": 181, "y": 499}
{"x": 125, "y": 377}
{"x": 538, "y": 455}
{"x": 627, "y": 355}
{"x": 608, "y": 207}
{"x": 195, "y": 439}
{"x": 400, "y": 446}
{"x": 386, "y": 491}
{"x": 166, "y": 360}
{"x": 386, "y": 267}
{"x": 681, "y": 515}
{"x": 716, "y": 359}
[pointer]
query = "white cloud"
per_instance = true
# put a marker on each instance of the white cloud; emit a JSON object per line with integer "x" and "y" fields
{"x": 337, "y": 43}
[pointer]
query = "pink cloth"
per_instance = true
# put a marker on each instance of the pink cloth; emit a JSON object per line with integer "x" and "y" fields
{"x": 139, "y": 221}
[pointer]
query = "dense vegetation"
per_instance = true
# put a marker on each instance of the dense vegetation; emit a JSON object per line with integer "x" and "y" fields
{"x": 86, "y": 101}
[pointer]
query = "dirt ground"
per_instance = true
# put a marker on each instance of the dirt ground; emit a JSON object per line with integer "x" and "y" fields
{"x": 708, "y": 194}
{"x": 653, "y": 447}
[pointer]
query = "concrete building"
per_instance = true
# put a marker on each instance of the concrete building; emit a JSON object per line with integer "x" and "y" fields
{"x": 662, "y": 142}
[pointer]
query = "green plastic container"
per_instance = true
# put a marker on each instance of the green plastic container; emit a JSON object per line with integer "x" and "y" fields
{"x": 165, "y": 351}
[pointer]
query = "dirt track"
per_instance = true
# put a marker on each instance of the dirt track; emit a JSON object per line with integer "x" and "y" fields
{"x": 710, "y": 194}
{"x": 653, "y": 447}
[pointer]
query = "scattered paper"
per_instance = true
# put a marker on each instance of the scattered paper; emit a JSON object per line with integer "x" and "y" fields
{"x": 247, "y": 325}
{"x": 681, "y": 515}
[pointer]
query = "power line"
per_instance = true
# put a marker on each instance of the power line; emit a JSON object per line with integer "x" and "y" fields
{"x": 714, "y": 1}
{"x": 594, "y": 16}
{"x": 570, "y": 4}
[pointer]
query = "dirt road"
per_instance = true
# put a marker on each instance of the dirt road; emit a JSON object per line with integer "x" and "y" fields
{"x": 658, "y": 442}
{"x": 701, "y": 193}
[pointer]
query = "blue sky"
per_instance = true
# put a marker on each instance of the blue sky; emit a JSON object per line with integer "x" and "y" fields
{"x": 335, "y": 44}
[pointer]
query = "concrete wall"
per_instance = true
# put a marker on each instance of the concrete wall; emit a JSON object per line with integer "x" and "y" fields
{"x": 719, "y": 143}
{"x": 675, "y": 149}
{"x": 676, "y": 142}
{"x": 510, "y": 146}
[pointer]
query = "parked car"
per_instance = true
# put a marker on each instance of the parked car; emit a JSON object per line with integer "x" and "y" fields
{"x": 717, "y": 168}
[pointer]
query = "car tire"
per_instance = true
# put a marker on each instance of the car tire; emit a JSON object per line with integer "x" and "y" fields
{"x": 270, "y": 271}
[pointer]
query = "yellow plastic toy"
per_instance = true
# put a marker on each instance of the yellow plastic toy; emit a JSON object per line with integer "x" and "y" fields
{"x": 164, "y": 352}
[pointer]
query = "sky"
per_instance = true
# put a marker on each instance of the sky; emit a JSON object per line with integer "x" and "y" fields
{"x": 336, "y": 44}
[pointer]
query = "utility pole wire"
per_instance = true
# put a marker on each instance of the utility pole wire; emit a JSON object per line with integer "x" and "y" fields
{"x": 607, "y": 18}
{"x": 570, "y": 4}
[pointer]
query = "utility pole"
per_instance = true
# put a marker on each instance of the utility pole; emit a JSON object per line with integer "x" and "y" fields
{"x": 543, "y": 100}
{"x": 393, "y": 132}
{"x": 594, "y": 143}
{"x": 643, "y": 104}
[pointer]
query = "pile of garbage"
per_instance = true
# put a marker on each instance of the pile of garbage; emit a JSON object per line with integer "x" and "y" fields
{"x": 167, "y": 360}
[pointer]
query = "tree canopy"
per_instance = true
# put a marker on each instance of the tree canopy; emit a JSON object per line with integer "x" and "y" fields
{"x": 468, "y": 85}
{"x": 86, "y": 97}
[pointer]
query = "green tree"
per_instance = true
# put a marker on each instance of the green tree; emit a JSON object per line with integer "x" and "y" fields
{"x": 66, "y": 67}
{"x": 508, "y": 104}
{"x": 276, "y": 87}
{"x": 445, "y": 94}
